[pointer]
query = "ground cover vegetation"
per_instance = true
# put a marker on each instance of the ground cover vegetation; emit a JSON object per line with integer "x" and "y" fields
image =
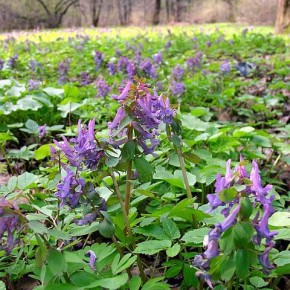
{"x": 144, "y": 159}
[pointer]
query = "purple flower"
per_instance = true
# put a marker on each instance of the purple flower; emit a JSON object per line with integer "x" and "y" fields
{"x": 158, "y": 58}
{"x": 177, "y": 88}
{"x": 10, "y": 225}
{"x": 148, "y": 68}
{"x": 112, "y": 68}
{"x": 1, "y": 64}
{"x": 122, "y": 63}
{"x": 225, "y": 67}
{"x": 70, "y": 189}
{"x": 85, "y": 79}
{"x": 88, "y": 218}
{"x": 42, "y": 131}
{"x": 34, "y": 64}
{"x": 63, "y": 69}
{"x": 85, "y": 148}
{"x": 257, "y": 184}
{"x": 178, "y": 72}
{"x": 103, "y": 88}
{"x": 230, "y": 220}
{"x": 168, "y": 44}
{"x": 98, "y": 58}
{"x": 264, "y": 258}
{"x": 147, "y": 112}
{"x": 12, "y": 61}
{"x": 93, "y": 258}
{"x": 33, "y": 84}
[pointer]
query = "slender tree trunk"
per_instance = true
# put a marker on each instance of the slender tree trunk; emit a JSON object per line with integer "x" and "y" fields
{"x": 167, "y": 4}
{"x": 96, "y": 6}
{"x": 283, "y": 16}
{"x": 156, "y": 15}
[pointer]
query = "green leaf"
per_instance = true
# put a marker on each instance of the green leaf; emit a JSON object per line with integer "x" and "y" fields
{"x": 128, "y": 150}
{"x": 41, "y": 252}
{"x": 54, "y": 92}
{"x": 106, "y": 226}
{"x": 121, "y": 265}
{"x": 152, "y": 247}
{"x": 242, "y": 261}
{"x": 280, "y": 219}
{"x": 154, "y": 284}
{"x": 37, "y": 227}
{"x": 61, "y": 286}
{"x": 152, "y": 231}
{"x": 173, "y": 251}
{"x": 170, "y": 228}
{"x": 258, "y": 282}
{"x": 144, "y": 168}
{"x": 243, "y": 233}
{"x": 12, "y": 183}
{"x": 228, "y": 194}
{"x": 227, "y": 269}
{"x": 31, "y": 125}
{"x": 82, "y": 278}
{"x": 110, "y": 283}
{"x": 56, "y": 262}
{"x": 3, "y": 287}
{"x": 42, "y": 152}
{"x": 195, "y": 236}
{"x": 84, "y": 230}
{"x": 135, "y": 283}
{"x": 25, "y": 180}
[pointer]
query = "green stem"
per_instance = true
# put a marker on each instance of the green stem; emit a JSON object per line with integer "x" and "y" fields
{"x": 182, "y": 164}
{"x": 183, "y": 170}
{"x": 129, "y": 175}
{"x": 127, "y": 224}
{"x": 7, "y": 160}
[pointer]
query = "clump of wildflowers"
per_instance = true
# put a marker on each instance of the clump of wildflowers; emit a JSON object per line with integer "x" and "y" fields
{"x": 63, "y": 70}
{"x": 146, "y": 111}
{"x": 103, "y": 88}
{"x": 98, "y": 58}
{"x": 82, "y": 153}
{"x": 11, "y": 222}
{"x": 1, "y": 64}
{"x": 112, "y": 68}
{"x": 225, "y": 67}
{"x": 158, "y": 58}
{"x": 85, "y": 79}
{"x": 247, "y": 193}
{"x": 12, "y": 61}
{"x": 42, "y": 131}
{"x": 85, "y": 150}
{"x": 148, "y": 68}
{"x": 177, "y": 88}
{"x": 33, "y": 84}
{"x": 178, "y": 72}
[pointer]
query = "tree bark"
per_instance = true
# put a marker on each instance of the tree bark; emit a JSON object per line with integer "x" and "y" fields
{"x": 283, "y": 16}
{"x": 96, "y": 11}
{"x": 156, "y": 15}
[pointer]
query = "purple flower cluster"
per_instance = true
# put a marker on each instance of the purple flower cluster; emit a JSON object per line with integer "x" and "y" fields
{"x": 127, "y": 66}
{"x": 98, "y": 58}
{"x": 147, "y": 112}
{"x": 85, "y": 79}
{"x": 42, "y": 130}
{"x": 70, "y": 189}
{"x": 177, "y": 88}
{"x": 194, "y": 62}
{"x": 158, "y": 58}
{"x": 33, "y": 84}
{"x": 178, "y": 72}
{"x": 103, "y": 88}
{"x": 85, "y": 149}
{"x": 1, "y": 64}
{"x": 63, "y": 69}
{"x": 12, "y": 61}
{"x": 225, "y": 67}
{"x": 10, "y": 225}
{"x": 112, "y": 68}
{"x": 148, "y": 68}
{"x": 231, "y": 211}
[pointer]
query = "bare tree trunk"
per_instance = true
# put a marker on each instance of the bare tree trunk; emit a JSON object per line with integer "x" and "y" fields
{"x": 125, "y": 10}
{"x": 167, "y": 4}
{"x": 156, "y": 15}
{"x": 96, "y": 7}
{"x": 232, "y": 16}
{"x": 283, "y": 16}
